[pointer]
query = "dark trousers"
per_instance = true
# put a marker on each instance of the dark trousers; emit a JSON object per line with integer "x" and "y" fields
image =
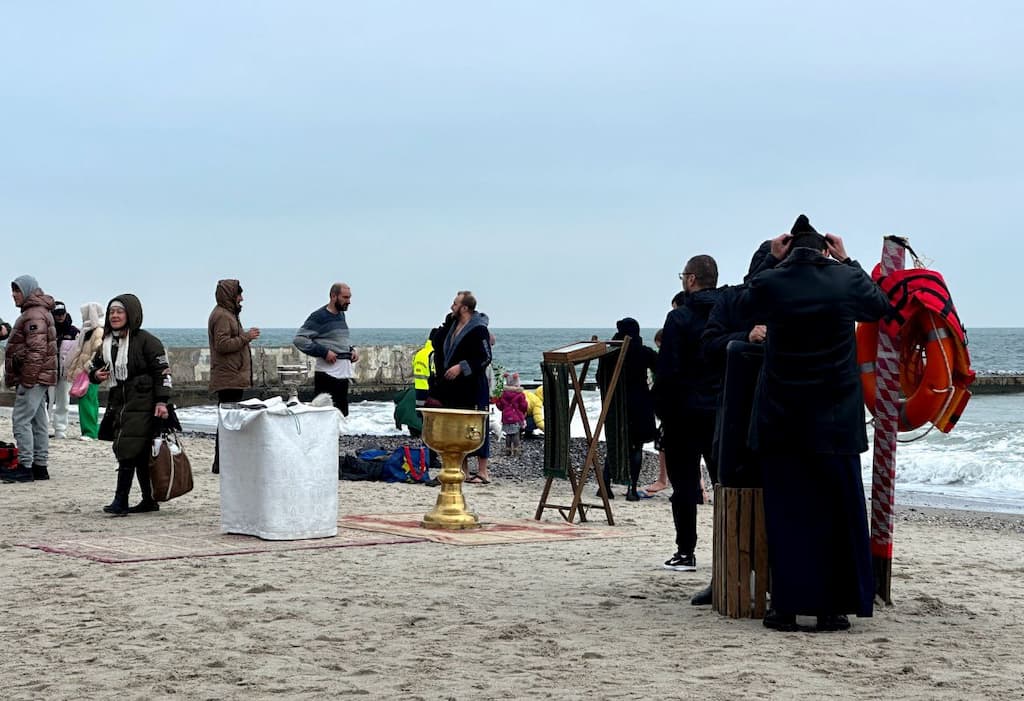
{"x": 137, "y": 467}
{"x": 685, "y": 440}
{"x": 817, "y": 527}
{"x": 337, "y": 388}
{"x": 224, "y": 396}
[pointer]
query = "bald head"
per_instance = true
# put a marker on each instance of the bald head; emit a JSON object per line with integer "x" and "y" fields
{"x": 341, "y": 297}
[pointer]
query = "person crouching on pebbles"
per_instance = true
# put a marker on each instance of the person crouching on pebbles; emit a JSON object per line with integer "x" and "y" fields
{"x": 135, "y": 363}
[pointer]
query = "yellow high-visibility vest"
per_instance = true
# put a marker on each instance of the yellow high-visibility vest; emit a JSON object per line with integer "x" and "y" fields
{"x": 421, "y": 366}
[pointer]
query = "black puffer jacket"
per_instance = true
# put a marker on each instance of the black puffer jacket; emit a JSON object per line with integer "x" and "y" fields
{"x": 129, "y": 421}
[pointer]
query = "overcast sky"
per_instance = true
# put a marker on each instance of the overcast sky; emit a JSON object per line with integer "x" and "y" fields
{"x": 561, "y": 159}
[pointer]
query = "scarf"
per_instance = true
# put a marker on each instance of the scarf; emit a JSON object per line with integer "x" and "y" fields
{"x": 119, "y": 366}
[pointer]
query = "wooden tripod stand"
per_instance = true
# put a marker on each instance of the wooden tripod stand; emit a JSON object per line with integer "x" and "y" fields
{"x": 569, "y": 356}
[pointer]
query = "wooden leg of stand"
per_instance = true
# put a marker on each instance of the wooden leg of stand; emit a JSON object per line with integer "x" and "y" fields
{"x": 603, "y": 490}
{"x": 543, "y": 498}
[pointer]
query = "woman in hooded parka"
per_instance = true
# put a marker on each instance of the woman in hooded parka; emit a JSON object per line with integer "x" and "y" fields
{"x": 135, "y": 364}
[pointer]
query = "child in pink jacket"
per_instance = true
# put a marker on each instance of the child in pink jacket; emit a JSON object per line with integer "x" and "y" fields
{"x": 513, "y": 406}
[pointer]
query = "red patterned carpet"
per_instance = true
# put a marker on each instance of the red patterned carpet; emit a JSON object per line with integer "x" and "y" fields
{"x": 491, "y": 532}
{"x": 198, "y": 542}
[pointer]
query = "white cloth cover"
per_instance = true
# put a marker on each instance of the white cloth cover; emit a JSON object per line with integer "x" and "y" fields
{"x": 279, "y": 470}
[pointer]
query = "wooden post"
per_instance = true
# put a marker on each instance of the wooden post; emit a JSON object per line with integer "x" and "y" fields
{"x": 739, "y": 577}
{"x": 883, "y": 473}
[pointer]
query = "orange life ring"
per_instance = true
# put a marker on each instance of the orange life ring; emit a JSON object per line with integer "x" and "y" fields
{"x": 928, "y": 353}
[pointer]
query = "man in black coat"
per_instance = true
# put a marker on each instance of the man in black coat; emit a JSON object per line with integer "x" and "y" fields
{"x": 808, "y": 427}
{"x": 685, "y": 394}
{"x": 462, "y": 353}
{"x": 727, "y": 323}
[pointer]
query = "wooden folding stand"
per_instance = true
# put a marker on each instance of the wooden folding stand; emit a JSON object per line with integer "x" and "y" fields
{"x": 569, "y": 356}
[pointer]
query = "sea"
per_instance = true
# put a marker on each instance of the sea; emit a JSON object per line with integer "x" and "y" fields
{"x": 979, "y": 465}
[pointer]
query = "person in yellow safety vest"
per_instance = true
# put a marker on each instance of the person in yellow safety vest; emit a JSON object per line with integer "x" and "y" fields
{"x": 422, "y": 369}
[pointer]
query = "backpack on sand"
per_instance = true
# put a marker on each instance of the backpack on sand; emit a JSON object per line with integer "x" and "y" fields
{"x": 407, "y": 465}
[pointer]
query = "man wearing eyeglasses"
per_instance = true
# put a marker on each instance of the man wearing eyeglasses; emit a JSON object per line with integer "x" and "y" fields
{"x": 685, "y": 392}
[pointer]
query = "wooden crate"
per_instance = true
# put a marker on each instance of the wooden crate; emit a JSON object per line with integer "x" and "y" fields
{"x": 740, "y": 568}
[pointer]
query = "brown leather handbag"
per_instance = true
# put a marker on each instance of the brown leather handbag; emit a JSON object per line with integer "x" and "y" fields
{"x": 169, "y": 468}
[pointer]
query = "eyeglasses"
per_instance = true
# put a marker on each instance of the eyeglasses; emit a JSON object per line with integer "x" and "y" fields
{"x": 682, "y": 275}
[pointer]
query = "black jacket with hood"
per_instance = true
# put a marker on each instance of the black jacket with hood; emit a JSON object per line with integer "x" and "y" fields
{"x": 129, "y": 421}
{"x": 632, "y": 381}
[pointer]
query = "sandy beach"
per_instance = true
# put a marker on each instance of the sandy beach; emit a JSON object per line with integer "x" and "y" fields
{"x": 565, "y": 619}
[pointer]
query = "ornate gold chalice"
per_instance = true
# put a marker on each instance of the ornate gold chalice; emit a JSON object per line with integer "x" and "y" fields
{"x": 454, "y": 433}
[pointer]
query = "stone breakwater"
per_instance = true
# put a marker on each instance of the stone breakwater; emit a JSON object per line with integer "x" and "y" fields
{"x": 380, "y": 372}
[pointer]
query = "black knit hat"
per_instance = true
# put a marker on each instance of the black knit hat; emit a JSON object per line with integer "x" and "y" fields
{"x": 802, "y": 225}
{"x": 806, "y": 236}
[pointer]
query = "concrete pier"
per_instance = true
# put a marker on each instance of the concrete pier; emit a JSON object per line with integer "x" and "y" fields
{"x": 380, "y": 372}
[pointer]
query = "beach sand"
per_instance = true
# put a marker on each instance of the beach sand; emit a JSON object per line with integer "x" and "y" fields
{"x": 579, "y": 619}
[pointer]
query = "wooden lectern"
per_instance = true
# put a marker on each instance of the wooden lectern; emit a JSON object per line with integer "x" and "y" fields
{"x": 557, "y": 430}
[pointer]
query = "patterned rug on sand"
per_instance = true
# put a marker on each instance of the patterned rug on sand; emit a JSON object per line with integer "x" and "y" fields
{"x": 198, "y": 542}
{"x": 491, "y": 531}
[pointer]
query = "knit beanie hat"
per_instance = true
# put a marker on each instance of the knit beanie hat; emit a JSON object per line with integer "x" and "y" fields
{"x": 511, "y": 380}
{"x": 806, "y": 236}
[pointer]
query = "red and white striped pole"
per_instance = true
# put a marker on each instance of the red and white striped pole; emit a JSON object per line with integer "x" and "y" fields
{"x": 887, "y": 399}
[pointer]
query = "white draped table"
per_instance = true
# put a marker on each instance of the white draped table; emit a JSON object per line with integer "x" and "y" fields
{"x": 279, "y": 470}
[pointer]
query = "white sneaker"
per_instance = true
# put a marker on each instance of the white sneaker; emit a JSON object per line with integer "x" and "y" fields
{"x": 60, "y": 435}
{"x": 85, "y": 438}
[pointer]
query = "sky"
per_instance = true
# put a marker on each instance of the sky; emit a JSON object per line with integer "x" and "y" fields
{"x": 562, "y": 159}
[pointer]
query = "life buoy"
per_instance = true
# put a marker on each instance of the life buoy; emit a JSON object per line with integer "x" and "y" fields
{"x": 929, "y": 352}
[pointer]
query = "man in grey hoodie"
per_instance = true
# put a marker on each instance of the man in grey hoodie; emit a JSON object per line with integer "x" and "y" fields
{"x": 30, "y": 366}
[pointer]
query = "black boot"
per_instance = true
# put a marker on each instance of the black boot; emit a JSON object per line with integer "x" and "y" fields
{"x": 607, "y": 484}
{"x": 18, "y": 474}
{"x": 39, "y": 472}
{"x": 833, "y": 623}
{"x": 785, "y": 622}
{"x": 636, "y": 460}
{"x": 702, "y": 598}
{"x": 119, "y": 507}
{"x": 116, "y": 508}
{"x": 144, "y": 506}
{"x": 145, "y": 485}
